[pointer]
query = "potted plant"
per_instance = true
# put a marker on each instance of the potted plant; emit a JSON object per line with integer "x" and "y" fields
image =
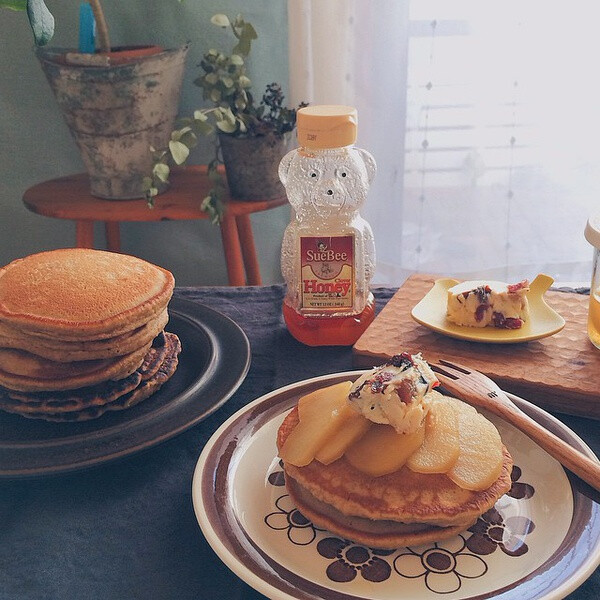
{"x": 251, "y": 137}
{"x": 117, "y": 102}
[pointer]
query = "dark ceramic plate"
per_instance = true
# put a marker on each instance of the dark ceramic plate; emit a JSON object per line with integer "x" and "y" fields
{"x": 214, "y": 360}
{"x": 540, "y": 541}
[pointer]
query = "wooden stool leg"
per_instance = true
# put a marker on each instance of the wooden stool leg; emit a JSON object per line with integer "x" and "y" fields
{"x": 84, "y": 234}
{"x": 113, "y": 236}
{"x": 248, "y": 249}
{"x": 233, "y": 251}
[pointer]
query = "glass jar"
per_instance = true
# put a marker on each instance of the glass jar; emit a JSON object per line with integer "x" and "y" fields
{"x": 592, "y": 235}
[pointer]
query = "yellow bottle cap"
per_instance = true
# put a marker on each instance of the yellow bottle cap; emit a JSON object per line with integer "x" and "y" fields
{"x": 327, "y": 126}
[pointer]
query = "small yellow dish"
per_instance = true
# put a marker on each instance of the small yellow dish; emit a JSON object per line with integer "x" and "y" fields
{"x": 543, "y": 320}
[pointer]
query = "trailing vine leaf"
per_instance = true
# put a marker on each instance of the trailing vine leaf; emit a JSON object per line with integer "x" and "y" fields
{"x": 41, "y": 21}
{"x": 248, "y": 34}
{"x": 220, "y": 20}
{"x": 179, "y": 151}
{"x": 212, "y": 206}
{"x": 162, "y": 171}
{"x": 150, "y": 191}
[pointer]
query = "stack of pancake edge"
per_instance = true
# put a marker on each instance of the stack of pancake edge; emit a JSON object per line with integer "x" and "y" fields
{"x": 82, "y": 332}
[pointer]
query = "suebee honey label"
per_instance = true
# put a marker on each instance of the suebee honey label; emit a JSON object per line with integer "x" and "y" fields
{"x": 327, "y": 267}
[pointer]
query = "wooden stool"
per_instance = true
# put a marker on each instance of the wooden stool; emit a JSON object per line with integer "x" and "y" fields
{"x": 69, "y": 198}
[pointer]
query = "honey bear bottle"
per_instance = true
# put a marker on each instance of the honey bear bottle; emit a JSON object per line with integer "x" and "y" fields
{"x": 328, "y": 253}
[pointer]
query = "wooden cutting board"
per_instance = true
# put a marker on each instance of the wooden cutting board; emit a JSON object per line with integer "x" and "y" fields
{"x": 559, "y": 373}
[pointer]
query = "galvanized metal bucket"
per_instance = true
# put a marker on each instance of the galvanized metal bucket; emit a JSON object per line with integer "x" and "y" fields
{"x": 115, "y": 113}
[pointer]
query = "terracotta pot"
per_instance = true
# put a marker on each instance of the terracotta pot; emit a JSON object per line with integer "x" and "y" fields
{"x": 251, "y": 165}
{"x": 116, "y": 112}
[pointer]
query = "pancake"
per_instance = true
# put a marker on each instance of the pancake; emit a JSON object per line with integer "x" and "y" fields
{"x": 82, "y": 332}
{"x": 90, "y": 402}
{"x": 68, "y": 401}
{"x": 69, "y": 351}
{"x": 26, "y": 372}
{"x": 384, "y": 534}
{"x": 142, "y": 392}
{"x": 164, "y": 345}
{"x": 80, "y": 294}
{"x": 382, "y": 511}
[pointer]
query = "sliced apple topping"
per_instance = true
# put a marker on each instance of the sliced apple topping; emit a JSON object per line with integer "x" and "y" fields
{"x": 350, "y": 430}
{"x": 454, "y": 439}
{"x": 381, "y": 450}
{"x": 322, "y": 399}
{"x": 321, "y": 413}
{"x": 440, "y": 448}
{"x": 479, "y": 462}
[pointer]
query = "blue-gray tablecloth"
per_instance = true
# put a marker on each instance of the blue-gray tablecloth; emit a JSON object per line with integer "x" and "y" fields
{"x": 126, "y": 530}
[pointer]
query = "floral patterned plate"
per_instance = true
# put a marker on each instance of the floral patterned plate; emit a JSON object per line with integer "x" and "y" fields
{"x": 541, "y": 540}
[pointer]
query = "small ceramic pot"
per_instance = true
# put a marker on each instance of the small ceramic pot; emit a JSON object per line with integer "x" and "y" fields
{"x": 251, "y": 165}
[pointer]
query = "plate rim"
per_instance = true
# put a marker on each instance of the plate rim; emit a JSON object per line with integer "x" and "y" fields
{"x": 487, "y": 336}
{"x": 188, "y": 311}
{"x": 576, "y": 578}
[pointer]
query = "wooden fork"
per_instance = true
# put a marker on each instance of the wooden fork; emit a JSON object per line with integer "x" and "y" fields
{"x": 479, "y": 390}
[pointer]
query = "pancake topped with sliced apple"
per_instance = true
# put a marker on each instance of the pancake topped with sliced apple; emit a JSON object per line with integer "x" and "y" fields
{"x": 422, "y": 469}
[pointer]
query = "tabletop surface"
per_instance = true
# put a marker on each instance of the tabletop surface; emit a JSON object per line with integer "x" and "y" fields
{"x": 127, "y": 530}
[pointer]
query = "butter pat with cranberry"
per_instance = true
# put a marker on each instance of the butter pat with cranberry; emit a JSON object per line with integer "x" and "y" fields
{"x": 488, "y": 304}
{"x": 396, "y": 393}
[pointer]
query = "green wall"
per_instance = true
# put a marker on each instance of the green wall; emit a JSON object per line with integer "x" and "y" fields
{"x": 35, "y": 143}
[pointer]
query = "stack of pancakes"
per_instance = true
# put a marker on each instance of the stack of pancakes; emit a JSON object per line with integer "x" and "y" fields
{"x": 82, "y": 332}
{"x": 402, "y": 508}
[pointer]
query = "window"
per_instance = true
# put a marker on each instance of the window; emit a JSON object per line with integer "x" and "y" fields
{"x": 483, "y": 119}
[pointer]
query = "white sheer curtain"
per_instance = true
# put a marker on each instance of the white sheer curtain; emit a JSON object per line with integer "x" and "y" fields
{"x": 484, "y": 121}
